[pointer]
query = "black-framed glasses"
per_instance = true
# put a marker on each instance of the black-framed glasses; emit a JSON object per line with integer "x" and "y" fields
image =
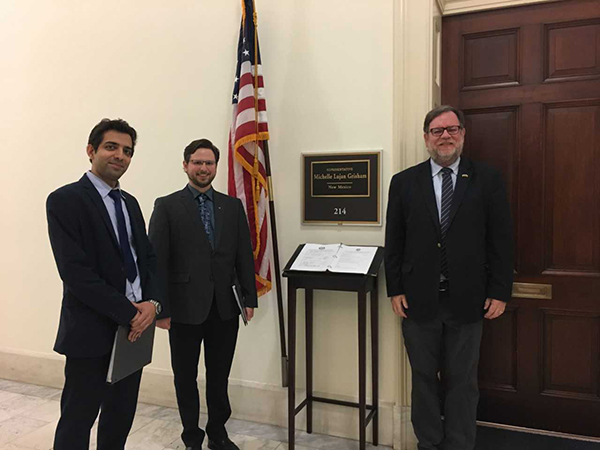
{"x": 452, "y": 130}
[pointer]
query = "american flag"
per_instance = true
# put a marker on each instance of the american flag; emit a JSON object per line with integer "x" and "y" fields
{"x": 249, "y": 130}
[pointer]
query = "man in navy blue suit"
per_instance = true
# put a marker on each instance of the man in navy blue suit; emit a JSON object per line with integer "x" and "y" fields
{"x": 449, "y": 264}
{"x": 107, "y": 266}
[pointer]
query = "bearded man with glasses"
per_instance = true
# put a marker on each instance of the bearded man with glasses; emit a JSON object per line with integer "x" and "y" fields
{"x": 449, "y": 264}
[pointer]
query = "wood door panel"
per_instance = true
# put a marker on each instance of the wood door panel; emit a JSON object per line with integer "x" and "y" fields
{"x": 570, "y": 340}
{"x": 538, "y": 122}
{"x": 498, "y": 364}
{"x": 491, "y": 59}
{"x": 562, "y": 63}
{"x": 492, "y": 137}
{"x": 572, "y": 203}
{"x": 543, "y": 93}
{"x": 516, "y": 17}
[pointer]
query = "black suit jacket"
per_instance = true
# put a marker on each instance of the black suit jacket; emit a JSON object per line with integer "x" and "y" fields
{"x": 479, "y": 241}
{"x": 191, "y": 273}
{"x": 89, "y": 262}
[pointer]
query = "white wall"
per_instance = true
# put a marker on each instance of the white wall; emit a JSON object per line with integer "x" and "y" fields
{"x": 168, "y": 70}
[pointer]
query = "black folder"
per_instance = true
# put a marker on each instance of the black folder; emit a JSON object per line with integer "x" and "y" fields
{"x": 129, "y": 357}
{"x": 239, "y": 299}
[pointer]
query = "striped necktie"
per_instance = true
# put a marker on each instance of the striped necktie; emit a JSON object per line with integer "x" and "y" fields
{"x": 447, "y": 191}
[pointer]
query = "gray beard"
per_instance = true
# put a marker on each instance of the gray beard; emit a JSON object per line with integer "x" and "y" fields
{"x": 447, "y": 160}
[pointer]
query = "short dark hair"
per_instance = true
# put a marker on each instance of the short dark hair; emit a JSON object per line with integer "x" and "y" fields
{"x": 436, "y": 112}
{"x": 97, "y": 133}
{"x": 200, "y": 143}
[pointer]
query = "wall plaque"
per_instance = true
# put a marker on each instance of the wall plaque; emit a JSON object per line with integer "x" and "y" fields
{"x": 342, "y": 188}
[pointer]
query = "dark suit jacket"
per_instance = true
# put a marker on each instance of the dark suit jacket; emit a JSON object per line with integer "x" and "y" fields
{"x": 479, "y": 241}
{"x": 89, "y": 261}
{"x": 191, "y": 273}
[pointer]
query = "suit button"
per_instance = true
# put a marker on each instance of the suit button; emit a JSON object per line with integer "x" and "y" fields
{"x": 211, "y": 279}
{"x": 439, "y": 245}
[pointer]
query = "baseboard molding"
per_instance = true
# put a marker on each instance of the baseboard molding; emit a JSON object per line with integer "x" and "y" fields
{"x": 35, "y": 368}
{"x": 404, "y": 436}
{"x": 255, "y": 402}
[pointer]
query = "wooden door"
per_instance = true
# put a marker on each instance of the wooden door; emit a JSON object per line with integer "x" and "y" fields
{"x": 528, "y": 79}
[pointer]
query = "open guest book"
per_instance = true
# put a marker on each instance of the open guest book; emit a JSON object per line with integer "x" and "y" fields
{"x": 337, "y": 258}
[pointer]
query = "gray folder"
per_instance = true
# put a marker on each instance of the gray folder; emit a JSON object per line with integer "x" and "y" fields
{"x": 239, "y": 299}
{"x": 129, "y": 357}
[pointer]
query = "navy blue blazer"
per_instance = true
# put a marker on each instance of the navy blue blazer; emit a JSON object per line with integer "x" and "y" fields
{"x": 479, "y": 241}
{"x": 90, "y": 265}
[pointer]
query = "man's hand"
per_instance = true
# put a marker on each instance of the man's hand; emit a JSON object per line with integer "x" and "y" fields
{"x": 494, "y": 308}
{"x": 249, "y": 314}
{"x": 165, "y": 324}
{"x": 399, "y": 305}
{"x": 142, "y": 320}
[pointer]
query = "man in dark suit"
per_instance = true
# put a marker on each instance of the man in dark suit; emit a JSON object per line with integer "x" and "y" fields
{"x": 107, "y": 265}
{"x": 448, "y": 263}
{"x": 203, "y": 246}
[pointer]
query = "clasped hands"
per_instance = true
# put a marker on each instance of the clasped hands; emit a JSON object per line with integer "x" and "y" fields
{"x": 146, "y": 312}
{"x": 494, "y": 308}
{"x": 165, "y": 323}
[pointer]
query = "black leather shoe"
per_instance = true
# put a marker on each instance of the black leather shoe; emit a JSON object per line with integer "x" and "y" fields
{"x": 197, "y": 447}
{"x": 222, "y": 444}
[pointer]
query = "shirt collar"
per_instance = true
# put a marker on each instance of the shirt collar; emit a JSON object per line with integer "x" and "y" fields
{"x": 101, "y": 186}
{"x": 195, "y": 192}
{"x": 435, "y": 167}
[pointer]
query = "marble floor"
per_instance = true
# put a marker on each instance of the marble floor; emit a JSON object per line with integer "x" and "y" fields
{"x": 28, "y": 416}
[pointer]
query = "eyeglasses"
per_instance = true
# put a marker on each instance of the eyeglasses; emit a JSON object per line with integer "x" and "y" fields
{"x": 198, "y": 162}
{"x": 452, "y": 130}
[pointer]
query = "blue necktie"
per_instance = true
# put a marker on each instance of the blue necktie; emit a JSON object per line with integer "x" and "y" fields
{"x": 447, "y": 191}
{"x": 205, "y": 216}
{"x": 130, "y": 266}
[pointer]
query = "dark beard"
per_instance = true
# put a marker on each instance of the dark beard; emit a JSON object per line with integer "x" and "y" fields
{"x": 199, "y": 184}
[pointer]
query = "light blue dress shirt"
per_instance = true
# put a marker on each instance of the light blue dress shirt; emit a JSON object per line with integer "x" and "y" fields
{"x": 436, "y": 173}
{"x": 133, "y": 291}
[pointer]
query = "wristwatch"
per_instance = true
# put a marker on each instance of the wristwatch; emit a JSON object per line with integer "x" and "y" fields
{"x": 157, "y": 306}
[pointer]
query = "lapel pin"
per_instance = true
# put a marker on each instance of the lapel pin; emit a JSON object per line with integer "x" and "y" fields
{"x": 465, "y": 175}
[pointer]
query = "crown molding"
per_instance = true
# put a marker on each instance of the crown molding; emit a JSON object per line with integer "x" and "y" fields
{"x": 450, "y": 7}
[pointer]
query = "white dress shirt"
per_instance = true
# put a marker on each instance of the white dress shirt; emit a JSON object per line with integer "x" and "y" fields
{"x": 133, "y": 291}
{"x": 436, "y": 173}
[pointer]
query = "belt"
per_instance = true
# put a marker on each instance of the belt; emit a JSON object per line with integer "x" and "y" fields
{"x": 444, "y": 286}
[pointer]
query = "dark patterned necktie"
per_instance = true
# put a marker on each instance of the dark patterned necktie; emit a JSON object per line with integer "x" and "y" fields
{"x": 130, "y": 266}
{"x": 205, "y": 216}
{"x": 447, "y": 191}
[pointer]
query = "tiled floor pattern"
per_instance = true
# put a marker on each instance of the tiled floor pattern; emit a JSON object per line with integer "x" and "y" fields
{"x": 28, "y": 416}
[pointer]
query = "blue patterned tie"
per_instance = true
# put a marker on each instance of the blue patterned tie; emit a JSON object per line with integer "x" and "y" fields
{"x": 130, "y": 266}
{"x": 205, "y": 216}
{"x": 447, "y": 191}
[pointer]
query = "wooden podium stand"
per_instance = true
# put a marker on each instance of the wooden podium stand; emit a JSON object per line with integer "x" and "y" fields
{"x": 361, "y": 284}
